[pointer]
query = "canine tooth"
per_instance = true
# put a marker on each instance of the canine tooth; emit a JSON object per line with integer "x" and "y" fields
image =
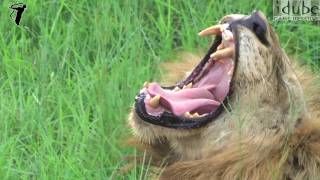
{"x": 154, "y": 102}
{"x": 187, "y": 86}
{"x": 188, "y": 115}
{"x": 223, "y": 53}
{"x": 176, "y": 89}
{"x": 146, "y": 84}
{"x": 213, "y": 30}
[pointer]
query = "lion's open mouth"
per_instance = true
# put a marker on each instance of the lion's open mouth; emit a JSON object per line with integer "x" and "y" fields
{"x": 203, "y": 93}
{"x": 194, "y": 101}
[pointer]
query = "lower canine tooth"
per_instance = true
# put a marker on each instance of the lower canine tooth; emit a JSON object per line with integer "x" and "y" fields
{"x": 154, "y": 102}
{"x": 146, "y": 84}
{"x": 176, "y": 89}
{"x": 188, "y": 86}
{"x": 188, "y": 115}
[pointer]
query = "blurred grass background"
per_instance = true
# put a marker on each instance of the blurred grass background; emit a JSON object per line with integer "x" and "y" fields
{"x": 70, "y": 71}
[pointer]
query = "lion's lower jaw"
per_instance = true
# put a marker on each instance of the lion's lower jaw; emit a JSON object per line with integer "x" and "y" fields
{"x": 184, "y": 144}
{"x": 149, "y": 133}
{"x": 256, "y": 118}
{"x": 200, "y": 145}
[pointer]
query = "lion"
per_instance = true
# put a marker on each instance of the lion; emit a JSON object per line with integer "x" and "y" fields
{"x": 244, "y": 112}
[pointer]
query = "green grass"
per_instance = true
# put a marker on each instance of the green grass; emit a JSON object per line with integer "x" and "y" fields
{"x": 70, "y": 71}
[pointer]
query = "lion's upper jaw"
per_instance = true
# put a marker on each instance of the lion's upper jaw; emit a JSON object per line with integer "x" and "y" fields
{"x": 255, "y": 61}
{"x": 267, "y": 94}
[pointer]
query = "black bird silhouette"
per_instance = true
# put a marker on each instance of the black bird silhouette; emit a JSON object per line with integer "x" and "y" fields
{"x": 19, "y": 7}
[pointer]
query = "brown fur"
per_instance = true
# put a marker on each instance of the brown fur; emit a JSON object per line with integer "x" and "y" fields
{"x": 277, "y": 157}
{"x": 284, "y": 156}
{"x": 272, "y": 133}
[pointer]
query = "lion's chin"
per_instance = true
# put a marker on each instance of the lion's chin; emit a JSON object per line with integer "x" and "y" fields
{"x": 150, "y": 133}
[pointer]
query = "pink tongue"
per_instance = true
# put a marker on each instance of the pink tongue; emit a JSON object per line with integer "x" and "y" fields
{"x": 205, "y": 95}
{"x": 220, "y": 75}
{"x": 186, "y": 100}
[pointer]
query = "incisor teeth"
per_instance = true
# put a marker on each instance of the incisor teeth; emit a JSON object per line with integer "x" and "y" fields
{"x": 189, "y": 115}
{"x": 146, "y": 84}
{"x": 154, "y": 102}
{"x": 188, "y": 86}
{"x": 196, "y": 115}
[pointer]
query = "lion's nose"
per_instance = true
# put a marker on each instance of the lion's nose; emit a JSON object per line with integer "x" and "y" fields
{"x": 258, "y": 14}
{"x": 257, "y": 23}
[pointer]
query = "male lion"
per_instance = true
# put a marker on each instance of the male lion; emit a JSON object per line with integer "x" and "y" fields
{"x": 244, "y": 112}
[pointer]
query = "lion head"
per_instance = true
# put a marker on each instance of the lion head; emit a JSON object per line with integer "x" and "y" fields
{"x": 244, "y": 85}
